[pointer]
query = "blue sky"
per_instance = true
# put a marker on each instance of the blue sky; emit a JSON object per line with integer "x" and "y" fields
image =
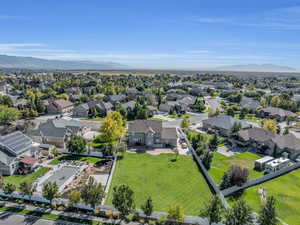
{"x": 178, "y": 34}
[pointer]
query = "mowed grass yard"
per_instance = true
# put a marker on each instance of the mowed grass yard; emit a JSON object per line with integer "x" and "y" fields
{"x": 17, "y": 180}
{"x": 166, "y": 181}
{"x": 66, "y": 157}
{"x": 222, "y": 163}
{"x": 286, "y": 190}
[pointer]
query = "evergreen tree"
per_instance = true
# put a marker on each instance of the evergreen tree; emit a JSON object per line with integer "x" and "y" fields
{"x": 213, "y": 210}
{"x": 239, "y": 214}
{"x": 267, "y": 214}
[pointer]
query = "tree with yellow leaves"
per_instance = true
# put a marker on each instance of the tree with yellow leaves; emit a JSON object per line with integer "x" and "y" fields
{"x": 270, "y": 125}
{"x": 275, "y": 101}
{"x": 185, "y": 123}
{"x": 113, "y": 127}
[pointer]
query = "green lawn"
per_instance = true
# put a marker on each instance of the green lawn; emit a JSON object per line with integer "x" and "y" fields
{"x": 166, "y": 181}
{"x": 99, "y": 119}
{"x": 156, "y": 119}
{"x": 17, "y": 180}
{"x": 89, "y": 159}
{"x": 286, "y": 190}
{"x": 221, "y": 164}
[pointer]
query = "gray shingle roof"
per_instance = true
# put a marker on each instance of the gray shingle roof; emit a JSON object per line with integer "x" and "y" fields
{"x": 143, "y": 126}
{"x": 225, "y": 122}
{"x": 278, "y": 111}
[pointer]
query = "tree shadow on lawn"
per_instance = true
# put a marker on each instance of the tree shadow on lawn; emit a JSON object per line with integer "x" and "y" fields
{"x": 236, "y": 196}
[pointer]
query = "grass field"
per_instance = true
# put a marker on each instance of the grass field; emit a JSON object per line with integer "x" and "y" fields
{"x": 17, "y": 180}
{"x": 286, "y": 191}
{"x": 99, "y": 119}
{"x": 221, "y": 164}
{"x": 166, "y": 181}
{"x": 64, "y": 157}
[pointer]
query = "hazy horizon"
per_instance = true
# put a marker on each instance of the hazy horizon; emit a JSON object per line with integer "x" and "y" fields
{"x": 154, "y": 35}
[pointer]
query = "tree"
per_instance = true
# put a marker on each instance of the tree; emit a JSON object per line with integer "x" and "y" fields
{"x": 55, "y": 151}
{"x": 206, "y": 158}
{"x": 50, "y": 191}
{"x": 236, "y": 127}
{"x": 234, "y": 176}
{"x": 275, "y": 101}
{"x": 77, "y": 144}
{"x": 1, "y": 181}
{"x": 267, "y": 214}
{"x": 213, "y": 210}
{"x": 8, "y": 188}
{"x": 27, "y": 187}
{"x": 176, "y": 153}
{"x": 74, "y": 197}
{"x": 185, "y": 123}
{"x": 8, "y": 115}
{"x": 213, "y": 142}
{"x": 239, "y": 214}
{"x": 286, "y": 131}
{"x": 123, "y": 199}
{"x": 113, "y": 127}
{"x": 148, "y": 207}
{"x": 175, "y": 214}
{"x": 270, "y": 125}
{"x": 92, "y": 193}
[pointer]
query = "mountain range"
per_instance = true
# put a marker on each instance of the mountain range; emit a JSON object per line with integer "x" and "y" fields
{"x": 20, "y": 62}
{"x": 258, "y": 68}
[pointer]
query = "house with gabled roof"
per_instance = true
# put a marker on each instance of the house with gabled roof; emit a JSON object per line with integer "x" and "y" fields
{"x": 59, "y": 106}
{"x": 223, "y": 124}
{"x": 266, "y": 142}
{"x": 15, "y": 147}
{"x": 276, "y": 113}
{"x": 151, "y": 133}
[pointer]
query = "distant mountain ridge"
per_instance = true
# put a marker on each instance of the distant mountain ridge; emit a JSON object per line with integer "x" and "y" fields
{"x": 20, "y": 62}
{"x": 258, "y": 68}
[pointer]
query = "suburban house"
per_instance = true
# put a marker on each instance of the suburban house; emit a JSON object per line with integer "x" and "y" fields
{"x": 115, "y": 98}
{"x": 151, "y": 133}
{"x": 266, "y": 142}
{"x": 58, "y": 131}
{"x": 59, "y": 106}
{"x": 16, "y": 151}
{"x": 132, "y": 93}
{"x": 276, "y": 113}
{"x": 129, "y": 105}
{"x": 223, "y": 124}
{"x": 249, "y": 103}
{"x": 83, "y": 109}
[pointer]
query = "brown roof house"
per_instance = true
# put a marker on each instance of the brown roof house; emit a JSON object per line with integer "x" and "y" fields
{"x": 60, "y": 106}
{"x": 151, "y": 133}
{"x": 276, "y": 113}
{"x": 266, "y": 142}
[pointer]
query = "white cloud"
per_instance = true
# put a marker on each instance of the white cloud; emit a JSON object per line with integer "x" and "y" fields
{"x": 279, "y": 19}
{"x": 16, "y": 46}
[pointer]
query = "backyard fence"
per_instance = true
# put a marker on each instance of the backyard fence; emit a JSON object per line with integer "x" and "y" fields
{"x": 254, "y": 182}
{"x": 203, "y": 170}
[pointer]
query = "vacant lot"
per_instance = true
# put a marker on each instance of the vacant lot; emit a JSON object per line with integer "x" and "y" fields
{"x": 66, "y": 157}
{"x": 286, "y": 191}
{"x": 165, "y": 180}
{"x": 221, "y": 164}
{"x": 17, "y": 180}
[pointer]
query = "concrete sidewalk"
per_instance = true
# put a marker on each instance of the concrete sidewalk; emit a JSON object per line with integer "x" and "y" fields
{"x": 66, "y": 214}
